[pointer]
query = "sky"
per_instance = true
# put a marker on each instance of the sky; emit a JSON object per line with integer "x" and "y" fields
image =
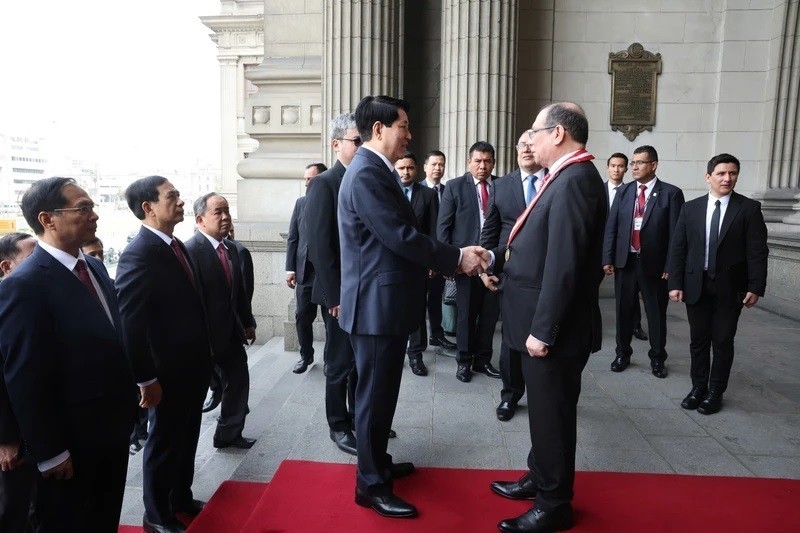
{"x": 132, "y": 86}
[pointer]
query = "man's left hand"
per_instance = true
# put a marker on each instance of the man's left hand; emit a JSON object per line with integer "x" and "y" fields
{"x": 750, "y": 299}
{"x": 536, "y": 348}
{"x": 250, "y": 334}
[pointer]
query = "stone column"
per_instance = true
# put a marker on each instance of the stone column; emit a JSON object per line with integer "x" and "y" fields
{"x": 479, "y": 72}
{"x": 781, "y": 198}
{"x": 228, "y": 76}
{"x": 361, "y": 56}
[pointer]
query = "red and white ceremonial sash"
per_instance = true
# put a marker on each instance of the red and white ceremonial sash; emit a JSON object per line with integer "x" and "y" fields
{"x": 578, "y": 157}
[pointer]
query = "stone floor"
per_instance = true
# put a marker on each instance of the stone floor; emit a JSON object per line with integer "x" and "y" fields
{"x": 626, "y": 422}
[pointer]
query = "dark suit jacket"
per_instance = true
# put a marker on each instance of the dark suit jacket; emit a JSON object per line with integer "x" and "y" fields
{"x": 459, "y": 212}
{"x": 246, "y": 267}
{"x": 552, "y": 276}
{"x": 228, "y": 308}
{"x": 297, "y": 245}
{"x": 64, "y": 363}
{"x": 741, "y": 251}
{"x": 505, "y": 206}
{"x": 385, "y": 258}
{"x": 425, "y": 203}
{"x": 660, "y": 217}
{"x": 321, "y": 229}
{"x": 163, "y": 317}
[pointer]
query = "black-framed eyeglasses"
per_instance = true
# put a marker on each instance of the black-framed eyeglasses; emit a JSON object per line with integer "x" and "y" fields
{"x": 83, "y": 210}
{"x": 639, "y": 163}
{"x": 534, "y": 131}
{"x": 355, "y": 140}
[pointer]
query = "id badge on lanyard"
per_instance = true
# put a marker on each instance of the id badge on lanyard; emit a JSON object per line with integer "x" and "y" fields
{"x": 637, "y": 223}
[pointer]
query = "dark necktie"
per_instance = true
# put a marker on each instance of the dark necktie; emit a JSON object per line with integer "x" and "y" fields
{"x": 182, "y": 260}
{"x": 408, "y": 193}
{"x": 713, "y": 242}
{"x": 83, "y": 274}
{"x": 636, "y": 241}
{"x": 223, "y": 259}
{"x": 484, "y": 197}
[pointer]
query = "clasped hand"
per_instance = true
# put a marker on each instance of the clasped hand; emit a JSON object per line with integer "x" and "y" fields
{"x": 474, "y": 261}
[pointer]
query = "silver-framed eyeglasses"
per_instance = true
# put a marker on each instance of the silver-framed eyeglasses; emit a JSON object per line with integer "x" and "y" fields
{"x": 355, "y": 140}
{"x": 83, "y": 210}
{"x": 534, "y": 131}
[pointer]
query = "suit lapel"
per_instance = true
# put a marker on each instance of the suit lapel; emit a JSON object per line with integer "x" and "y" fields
{"x": 651, "y": 202}
{"x": 518, "y": 188}
{"x": 698, "y": 220}
{"x": 734, "y": 206}
{"x": 626, "y": 201}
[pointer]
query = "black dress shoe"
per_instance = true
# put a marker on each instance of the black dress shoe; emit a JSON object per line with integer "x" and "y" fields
{"x": 694, "y": 398}
{"x": 487, "y": 369}
{"x": 191, "y": 509}
{"x": 711, "y": 404}
{"x": 442, "y": 343}
{"x": 240, "y": 442}
{"x": 620, "y": 363}
{"x": 345, "y": 441}
{"x": 301, "y": 366}
{"x": 639, "y": 333}
{"x": 401, "y": 470}
{"x": 151, "y": 527}
{"x": 392, "y": 434}
{"x": 417, "y": 366}
{"x": 463, "y": 373}
{"x": 389, "y": 505}
{"x": 539, "y": 521}
{"x": 523, "y": 489}
{"x": 659, "y": 370}
{"x": 505, "y": 411}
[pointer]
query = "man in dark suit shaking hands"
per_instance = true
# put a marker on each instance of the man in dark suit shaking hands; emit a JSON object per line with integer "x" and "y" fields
{"x": 69, "y": 383}
{"x": 551, "y": 312}
{"x": 638, "y": 232}
{"x": 230, "y": 318}
{"x": 718, "y": 264}
{"x": 385, "y": 261}
{"x": 168, "y": 344}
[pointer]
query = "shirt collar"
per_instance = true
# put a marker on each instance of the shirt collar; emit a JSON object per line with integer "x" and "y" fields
{"x": 164, "y": 237}
{"x": 476, "y": 180}
{"x": 648, "y": 186}
{"x": 723, "y": 201}
{"x": 68, "y": 260}
{"x": 431, "y": 184}
{"x": 383, "y": 157}
{"x": 214, "y": 242}
{"x": 539, "y": 174}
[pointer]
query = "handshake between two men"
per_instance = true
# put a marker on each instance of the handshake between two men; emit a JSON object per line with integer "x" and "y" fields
{"x": 475, "y": 260}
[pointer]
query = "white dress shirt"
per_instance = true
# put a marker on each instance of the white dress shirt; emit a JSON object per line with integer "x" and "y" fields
{"x": 710, "y": 206}
{"x": 647, "y": 191}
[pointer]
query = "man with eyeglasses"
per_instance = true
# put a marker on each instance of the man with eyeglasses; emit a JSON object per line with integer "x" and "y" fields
{"x": 512, "y": 194}
{"x": 320, "y": 227}
{"x": 616, "y": 166}
{"x": 636, "y": 244}
{"x": 465, "y": 205}
{"x": 67, "y": 376}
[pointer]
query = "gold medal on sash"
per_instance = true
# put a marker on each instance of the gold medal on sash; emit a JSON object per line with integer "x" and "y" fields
{"x": 508, "y": 253}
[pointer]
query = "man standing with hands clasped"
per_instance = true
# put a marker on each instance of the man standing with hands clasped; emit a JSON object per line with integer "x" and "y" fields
{"x": 385, "y": 262}
{"x": 718, "y": 263}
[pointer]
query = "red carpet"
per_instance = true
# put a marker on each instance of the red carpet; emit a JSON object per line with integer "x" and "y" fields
{"x": 229, "y": 508}
{"x": 308, "y": 497}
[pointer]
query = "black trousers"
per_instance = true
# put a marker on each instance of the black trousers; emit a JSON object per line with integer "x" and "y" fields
{"x": 304, "y": 316}
{"x": 342, "y": 378}
{"x": 712, "y": 324}
{"x": 235, "y": 392}
{"x": 511, "y": 374}
{"x": 168, "y": 457}
{"x": 434, "y": 303}
{"x": 478, "y": 312}
{"x": 655, "y": 296}
{"x": 379, "y": 360}
{"x": 16, "y": 495}
{"x": 92, "y": 499}
{"x": 554, "y": 386}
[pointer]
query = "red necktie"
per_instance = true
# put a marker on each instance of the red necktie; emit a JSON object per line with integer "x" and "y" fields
{"x": 182, "y": 259}
{"x": 83, "y": 274}
{"x": 223, "y": 259}
{"x": 638, "y": 212}
{"x": 484, "y": 197}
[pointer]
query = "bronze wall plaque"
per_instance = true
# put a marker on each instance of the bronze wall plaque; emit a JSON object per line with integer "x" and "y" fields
{"x": 633, "y": 90}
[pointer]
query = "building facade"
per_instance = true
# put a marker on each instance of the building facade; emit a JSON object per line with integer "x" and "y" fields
{"x": 481, "y": 69}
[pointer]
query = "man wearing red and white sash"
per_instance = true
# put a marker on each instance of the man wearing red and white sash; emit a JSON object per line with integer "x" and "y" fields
{"x": 550, "y": 309}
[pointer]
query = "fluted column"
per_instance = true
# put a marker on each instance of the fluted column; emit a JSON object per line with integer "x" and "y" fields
{"x": 361, "y": 55}
{"x": 479, "y": 70}
{"x": 781, "y": 199}
{"x": 229, "y": 75}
